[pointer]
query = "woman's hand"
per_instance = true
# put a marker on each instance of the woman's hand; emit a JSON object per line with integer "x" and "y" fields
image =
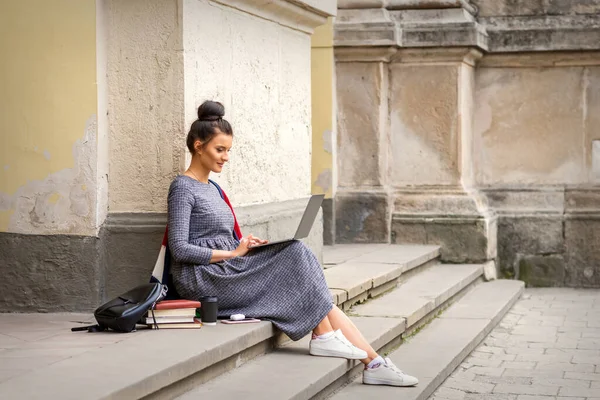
{"x": 243, "y": 247}
{"x": 245, "y": 244}
{"x": 256, "y": 241}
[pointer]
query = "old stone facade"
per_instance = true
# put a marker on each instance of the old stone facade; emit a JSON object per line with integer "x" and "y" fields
{"x": 99, "y": 97}
{"x": 474, "y": 125}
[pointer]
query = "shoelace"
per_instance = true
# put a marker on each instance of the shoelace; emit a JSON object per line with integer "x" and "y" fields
{"x": 344, "y": 340}
{"x": 393, "y": 367}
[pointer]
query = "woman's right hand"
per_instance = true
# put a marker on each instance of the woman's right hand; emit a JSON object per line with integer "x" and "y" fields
{"x": 243, "y": 249}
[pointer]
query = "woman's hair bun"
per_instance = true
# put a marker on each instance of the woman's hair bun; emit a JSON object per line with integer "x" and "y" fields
{"x": 211, "y": 111}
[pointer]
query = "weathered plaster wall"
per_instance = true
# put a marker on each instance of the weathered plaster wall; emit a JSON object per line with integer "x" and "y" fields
{"x": 424, "y": 124}
{"x": 536, "y": 7}
{"x": 536, "y": 129}
{"x": 145, "y": 102}
{"x": 260, "y": 71}
{"x": 48, "y": 117}
{"x": 102, "y": 151}
{"x": 535, "y": 124}
{"x": 323, "y": 111}
{"x": 323, "y": 108}
{"x": 123, "y": 61}
{"x": 362, "y": 123}
{"x": 498, "y": 159}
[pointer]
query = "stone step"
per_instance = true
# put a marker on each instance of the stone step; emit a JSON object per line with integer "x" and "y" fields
{"x": 299, "y": 376}
{"x": 416, "y": 298}
{"x": 440, "y": 347}
{"x": 143, "y": 363}
{"x": 290, "y": 372}
{"x": 166, "y": 363}
{"x": 355, "y": 273}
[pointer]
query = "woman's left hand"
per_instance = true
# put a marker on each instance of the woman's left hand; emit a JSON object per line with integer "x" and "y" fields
{"x": 254, "y": 241}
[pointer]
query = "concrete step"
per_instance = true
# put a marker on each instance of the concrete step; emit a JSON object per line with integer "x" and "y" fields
{"x": 440, "y": 347}
{"x": 166, "y": 363}
{"x": 143, "y": 363}
{"x": 355, "y": 273}
{"x": 419, "y": 296}
{"x": 289, "y": 373}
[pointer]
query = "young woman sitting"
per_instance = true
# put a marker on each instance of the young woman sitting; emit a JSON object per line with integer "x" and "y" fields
{"x": 282, "y": 283}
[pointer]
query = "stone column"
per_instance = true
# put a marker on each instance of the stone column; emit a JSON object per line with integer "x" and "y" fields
{"x": 492, "y": 111}
{"x": 324, "y": 172}
{"x": 90, "y": 153}
{"x": 405, "y": 139}
{"x": 536, "y": 128}
{"x": 53, "y": 158}
{"x": 254, "y": 57}
{"x": 431, "y": 174}
{"x": 362, "y": 201}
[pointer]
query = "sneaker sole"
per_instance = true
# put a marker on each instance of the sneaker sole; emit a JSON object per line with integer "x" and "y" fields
{"x": 374, "y": 381}
{"x": 325, "y": 353}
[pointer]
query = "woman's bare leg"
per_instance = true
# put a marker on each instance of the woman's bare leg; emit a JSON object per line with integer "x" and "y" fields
{"x": 323, "y": 327}
{"x": 338, "y": 320}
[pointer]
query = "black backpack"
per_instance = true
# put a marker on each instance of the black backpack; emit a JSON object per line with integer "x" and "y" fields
{"x": 125, "y": 311}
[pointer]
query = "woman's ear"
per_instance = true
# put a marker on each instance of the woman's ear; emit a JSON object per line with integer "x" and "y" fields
{"x": 198, "y": 146}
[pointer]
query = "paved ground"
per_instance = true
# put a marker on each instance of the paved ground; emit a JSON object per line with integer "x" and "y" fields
{"x": 32, "y": 341}
{"x": 546, "y": 348}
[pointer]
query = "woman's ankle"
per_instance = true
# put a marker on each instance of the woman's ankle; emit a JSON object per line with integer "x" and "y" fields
{"x": 375, "y": 362}
{"x": 323, "y": 335}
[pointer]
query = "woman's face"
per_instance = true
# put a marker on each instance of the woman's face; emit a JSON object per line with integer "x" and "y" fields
{"x": 216, "y": 152}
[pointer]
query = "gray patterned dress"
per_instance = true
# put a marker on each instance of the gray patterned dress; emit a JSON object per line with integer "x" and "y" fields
{"x": 281, "y": 283}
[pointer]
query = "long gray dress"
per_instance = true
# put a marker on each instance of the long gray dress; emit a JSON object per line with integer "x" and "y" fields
{"x": 281, "y": 283}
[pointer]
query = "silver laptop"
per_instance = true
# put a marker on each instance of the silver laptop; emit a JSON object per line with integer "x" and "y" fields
{"x": 306, "y": 223}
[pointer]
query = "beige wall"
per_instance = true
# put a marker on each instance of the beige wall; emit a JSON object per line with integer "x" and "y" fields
{"x": 260, "y": 71}
{"x": 424, "y": 124}
{"x": 362, "y": 123}
{"x": 145, "y": 102}
{"x": 324, "y": 175}
{"x": 146, "y": 81}
{"x": 48, "y": 116}
{"x": 193, "y": 51}
{"x": 535, "y": 125}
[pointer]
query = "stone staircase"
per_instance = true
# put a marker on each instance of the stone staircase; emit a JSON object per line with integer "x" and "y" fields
{"x": 410, "y": 294}
{"x": 427, "y": 316}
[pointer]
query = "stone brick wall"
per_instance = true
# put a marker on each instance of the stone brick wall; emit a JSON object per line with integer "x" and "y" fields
{"x": 476, "y": 126}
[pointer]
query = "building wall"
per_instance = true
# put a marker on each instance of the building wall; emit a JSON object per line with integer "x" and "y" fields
{"x": 323, "y": 111}
{"x": 324, "y": 141}
{"x": 145, "y": 100}
{"x": 537, "y": 157}
{"x": 99, "y": 97}
{"x": 48, "y": 117}
{"x": 529, "y": 8}
{"x": 260, "y": 70}
{"x": 424, "y": 124}
{"x": 492, "y": 135}
{"x": 253, "y": 59}
{"x": 53, "y": 174}
{"x": 555, "y": 133}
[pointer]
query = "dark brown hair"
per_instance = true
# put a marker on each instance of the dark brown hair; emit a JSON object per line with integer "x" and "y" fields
{"x": 210, "y": 119}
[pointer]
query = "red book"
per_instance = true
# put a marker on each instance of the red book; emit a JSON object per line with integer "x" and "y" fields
{"x": 175, "y": 304}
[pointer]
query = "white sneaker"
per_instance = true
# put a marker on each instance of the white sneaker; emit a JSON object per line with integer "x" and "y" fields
{"x": 336, "y": 346}
{"x": 388, "y": 374}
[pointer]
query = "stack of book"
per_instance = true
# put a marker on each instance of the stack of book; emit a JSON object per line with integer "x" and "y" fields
{"x": 174, "y": 314}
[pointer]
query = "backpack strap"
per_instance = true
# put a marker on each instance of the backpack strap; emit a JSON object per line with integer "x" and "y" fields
{"x": 237, "y": 232}
{"x": 89, "y": 328}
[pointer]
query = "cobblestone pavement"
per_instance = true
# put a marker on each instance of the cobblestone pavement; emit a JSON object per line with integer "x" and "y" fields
{"x": 546, "y": 348}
